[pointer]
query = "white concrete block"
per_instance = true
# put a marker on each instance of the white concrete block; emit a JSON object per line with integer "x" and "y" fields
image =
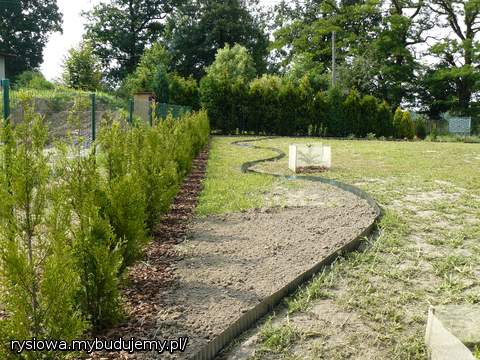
{"x": 309, "y": 156}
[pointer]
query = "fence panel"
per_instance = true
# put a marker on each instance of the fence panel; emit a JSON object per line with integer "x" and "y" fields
{"x": 176, "y": 111}
{"x": 67, "y": 111}
{"x": 77, "y": 113}
{"x": 5, "y": 99}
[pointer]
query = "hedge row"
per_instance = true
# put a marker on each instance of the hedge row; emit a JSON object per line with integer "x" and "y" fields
{"x": 70, "y": 221}
{"x": 273, "y": 105}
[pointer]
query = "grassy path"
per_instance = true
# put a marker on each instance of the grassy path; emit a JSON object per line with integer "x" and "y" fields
{"x": 373, "y": 304}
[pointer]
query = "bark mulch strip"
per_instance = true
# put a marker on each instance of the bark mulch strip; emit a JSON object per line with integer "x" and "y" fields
{"x": 148, "y": 278}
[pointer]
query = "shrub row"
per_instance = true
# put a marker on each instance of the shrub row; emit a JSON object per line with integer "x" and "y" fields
{"x": 71, "y": 220}
{"x": 274, "y": 105}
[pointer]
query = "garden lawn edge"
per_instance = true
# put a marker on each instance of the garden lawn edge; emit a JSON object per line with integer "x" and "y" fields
{"x": 249, "y": 318}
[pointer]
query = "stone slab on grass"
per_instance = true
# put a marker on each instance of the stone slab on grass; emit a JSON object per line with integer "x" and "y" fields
{"x": 452, "y": 330}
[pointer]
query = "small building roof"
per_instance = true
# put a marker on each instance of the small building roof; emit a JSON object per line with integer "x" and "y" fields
{"x": 4, "y": 54}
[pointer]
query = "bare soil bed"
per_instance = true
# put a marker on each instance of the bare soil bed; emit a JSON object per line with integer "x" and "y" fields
{"x": 229, "y": 263}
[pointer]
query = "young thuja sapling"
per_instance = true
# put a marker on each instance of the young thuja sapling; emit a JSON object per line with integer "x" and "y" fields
{"x": 37, "y": 280}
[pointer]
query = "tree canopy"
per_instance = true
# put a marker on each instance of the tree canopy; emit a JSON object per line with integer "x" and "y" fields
{"x": 81, "y": 69}
{"x": 24, "y": 31}
{"x": 201, "y": 27}
{"x": 121, "y": 30}
{"x": 418, "y": 53}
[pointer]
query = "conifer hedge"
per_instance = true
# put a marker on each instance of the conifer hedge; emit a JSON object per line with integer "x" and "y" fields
{"x": 71, "y": 221}
{"x": 272, "y": 105}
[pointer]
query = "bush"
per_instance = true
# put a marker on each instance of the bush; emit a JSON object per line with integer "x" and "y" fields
{"x": 69, "y": 227}
{"x": 160, "y": 84}
{"x": 369, "y": 115}
{"x": 397, "y": 123}
{"x": 82, "y": 69}
{"x": 125, "y": 203}
{"x": 335, "y": 120}
{"x": 318, "y": 113}
{"x": 353, "y": 117}
{"x": 183, "y": 91}
{"x": 272, "y": 105}
{"x": 263, "y": 100}
{"x": 143, "y": 78}
{"x": 385, "y": 120}
{"x": 38, "y": 280}
{"x": 407, "y": 127}
{"x": 95, "y": 246}
{"x": 33, "y": 80}
{"x": 224, "y": 89}
{"x": 421, "y": 127}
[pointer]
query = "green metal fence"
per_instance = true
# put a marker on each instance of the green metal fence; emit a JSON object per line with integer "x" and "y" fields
{"x": 61, "y": 107}
{"x": 5, "y": 97}
{"x": 176, "y": 111}
{"x": 89, "y": 110}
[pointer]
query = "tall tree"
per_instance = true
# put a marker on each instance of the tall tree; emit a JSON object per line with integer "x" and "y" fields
{"x": 201, "y": 27}
{"x": 388, "y": 67}
{"x": 143, "y": 78}
{"x": 121, "y": 30}
{"x": 224, "y": 84}
{"x": 81, "y": 69}
{"x": 304, "y": 30}
{"x": 458, "y": 50}
{"x": 24, "y": 30}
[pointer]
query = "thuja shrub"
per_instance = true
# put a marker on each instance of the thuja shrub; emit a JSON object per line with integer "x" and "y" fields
{"x": 70, "y": 224}
{"x": 272, "y": 105}
{"x": 237, "y": 101}
{"x": 141, "y": 169}
{"x": 264, "y": 101}
{"x": 157, "y": 171}
{"x": 404, "y": 127}
{"x": 39, "y": 281}
{"x": 164, "y": 154}
{"x": 190, "y": 134}
{"x": 124, "y": 203}
{"x": 96, "y": 249}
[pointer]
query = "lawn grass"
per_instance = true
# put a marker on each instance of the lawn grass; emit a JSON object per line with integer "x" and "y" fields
{"x": 226, "y": 188}
{"x": 427, "y": 251}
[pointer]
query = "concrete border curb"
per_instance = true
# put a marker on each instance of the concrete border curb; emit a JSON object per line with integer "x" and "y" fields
{"x": 210, "y": 350}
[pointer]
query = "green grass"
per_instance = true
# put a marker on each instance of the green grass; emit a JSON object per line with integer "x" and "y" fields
{"x": 277, "y": 338}
{"x": 226, "y": 189}
{"x": 427, "y": 251}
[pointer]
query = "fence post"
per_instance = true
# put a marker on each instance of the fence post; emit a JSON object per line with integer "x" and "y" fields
{"x": 94, "y": 118}
{"x": 131, "y": 105}
{"x": 6, "y": 99}
{"x": 150, "y": 110}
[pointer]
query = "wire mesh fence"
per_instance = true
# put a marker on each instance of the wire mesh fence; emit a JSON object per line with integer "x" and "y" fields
{"x": 177, "y": 111}
{"x": 80, "y": 113}
{"x": 63, "y": 111}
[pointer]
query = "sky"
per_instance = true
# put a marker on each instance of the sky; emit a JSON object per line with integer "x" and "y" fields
{"x": 59, "y": 44}
{"x": 73, "y": 28}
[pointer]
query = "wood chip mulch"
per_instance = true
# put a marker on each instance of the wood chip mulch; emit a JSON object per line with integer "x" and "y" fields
{"x": 147, "y": 278}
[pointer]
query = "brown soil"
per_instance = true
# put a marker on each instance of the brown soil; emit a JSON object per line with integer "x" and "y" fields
{"x": 231, "y": 262}
{"x": 311, "y": 169}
